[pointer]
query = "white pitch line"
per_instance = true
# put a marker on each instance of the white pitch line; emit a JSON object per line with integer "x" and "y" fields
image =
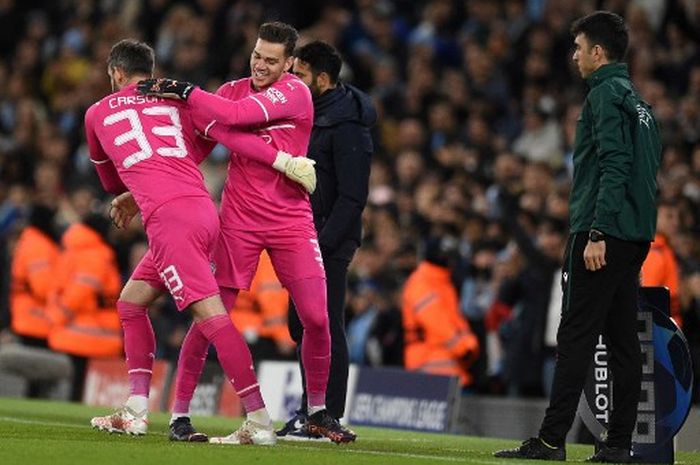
{"x": 470, "y": 460}
{"x": 418, "y": 440}
{"x": 390, "y": 454}
{"x": 34, "y": 422}
{"x": 56, "y": 423}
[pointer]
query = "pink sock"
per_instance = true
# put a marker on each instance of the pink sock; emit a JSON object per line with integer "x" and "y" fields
{"x": 234, "y": 357}
{"x": 193, "y": 356}
{"x": 139, "y": 346}
{"x": 309, "y": 296}
{"x": 190, "y": 364}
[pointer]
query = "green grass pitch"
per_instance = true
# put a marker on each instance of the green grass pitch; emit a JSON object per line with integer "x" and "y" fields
{"x": 58, "y": 433}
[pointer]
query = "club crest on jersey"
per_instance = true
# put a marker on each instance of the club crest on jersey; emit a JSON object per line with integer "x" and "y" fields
{"x": 275, "y": 96}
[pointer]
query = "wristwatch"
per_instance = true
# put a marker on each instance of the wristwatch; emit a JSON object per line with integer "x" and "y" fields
{"x": 595, "y": 236}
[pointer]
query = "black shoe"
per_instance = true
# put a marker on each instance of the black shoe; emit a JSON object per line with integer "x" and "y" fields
{"x": 534, "y": 449}
{"x": 182, "y": 430}
{"x": 294, "y": 430}
{"x": 324, "y": 424}
{"x": 611, "y": 455}
{"x": 295, "y": 424}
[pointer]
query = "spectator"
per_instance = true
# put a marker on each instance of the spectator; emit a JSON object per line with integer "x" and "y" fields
{"x": 86, "y": 287}
{"x": 33, "y": 271}
{"x": 82, "y": 304}
{"x": 260, "y": 314}
{"x": 364, "y": 311}
{"x": 661, "y": 267}
{"x": 438, "y": 339}
{"x": 541, "y": 140}
{"x": 476, "y": 297}
{"x": 530, "y": 336}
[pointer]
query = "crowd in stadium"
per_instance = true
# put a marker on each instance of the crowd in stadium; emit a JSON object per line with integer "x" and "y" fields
{"x": 478, "y": 103}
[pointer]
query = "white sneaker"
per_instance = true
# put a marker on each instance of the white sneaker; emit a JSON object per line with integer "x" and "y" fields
{"x": 124, "y": 420}
{"x": 250, "y": 432}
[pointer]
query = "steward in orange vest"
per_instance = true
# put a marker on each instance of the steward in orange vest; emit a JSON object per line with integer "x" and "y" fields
{"x": 660, "y": 267}
{"x": 437, "y": 339}
{"x": 83, "y": 303}
{"x": 261, "y": 314}
{"x": 33, "y": 268}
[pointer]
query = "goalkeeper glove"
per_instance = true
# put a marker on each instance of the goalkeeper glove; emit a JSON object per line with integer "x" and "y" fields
{"x": 298, "y": 169}
{"x": 164, "y": 87}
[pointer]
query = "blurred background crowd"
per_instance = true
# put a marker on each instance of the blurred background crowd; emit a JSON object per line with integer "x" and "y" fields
{"x": 478, "y": 102}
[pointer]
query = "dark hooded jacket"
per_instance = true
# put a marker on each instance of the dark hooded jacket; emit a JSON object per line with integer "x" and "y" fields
{"x": 341, "y": 144}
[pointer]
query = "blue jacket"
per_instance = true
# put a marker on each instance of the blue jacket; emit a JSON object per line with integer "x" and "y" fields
{"x": 341, "y": 144}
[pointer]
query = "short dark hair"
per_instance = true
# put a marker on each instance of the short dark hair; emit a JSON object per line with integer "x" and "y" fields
{"x": 606, "y": 29}
{"x": 321, "y": 58}
{"x": 278, "y": 32}
{"x": 132, "y": 56}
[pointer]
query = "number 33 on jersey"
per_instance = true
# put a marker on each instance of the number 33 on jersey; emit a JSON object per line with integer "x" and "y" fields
{"x": 149, "y": 144}
{"x": 136, "y": 133}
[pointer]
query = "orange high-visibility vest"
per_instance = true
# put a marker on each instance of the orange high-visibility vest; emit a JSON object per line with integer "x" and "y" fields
{"x": 661, "y": 269}
{"x": 33, "y": 269}
{"x": 438, "y": 339}
{"x": 83, "y": 304}
{"x": 264, "y": 308}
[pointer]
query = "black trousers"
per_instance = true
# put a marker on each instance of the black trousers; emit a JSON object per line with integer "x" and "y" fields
{"x": 336, "y": 267}
{"x": 595, "y": 302}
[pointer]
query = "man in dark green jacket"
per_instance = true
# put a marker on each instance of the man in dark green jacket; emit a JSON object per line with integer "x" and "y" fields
{"x": 617, "y": 152}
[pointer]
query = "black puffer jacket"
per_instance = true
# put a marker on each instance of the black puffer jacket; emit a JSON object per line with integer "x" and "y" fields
{"x": 341, "y": 144}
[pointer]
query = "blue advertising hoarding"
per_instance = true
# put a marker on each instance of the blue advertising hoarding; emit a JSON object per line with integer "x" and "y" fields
{"x": 394, "y": 398}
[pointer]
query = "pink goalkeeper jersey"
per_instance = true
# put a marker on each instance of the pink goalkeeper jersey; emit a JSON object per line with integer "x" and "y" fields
{"x": 152, "y": 143}
{"x": 257, "y": 198}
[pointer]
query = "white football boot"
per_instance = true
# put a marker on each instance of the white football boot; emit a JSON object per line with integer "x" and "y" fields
{"x": 124, "y": 420}
{"x": 250, "y": 432}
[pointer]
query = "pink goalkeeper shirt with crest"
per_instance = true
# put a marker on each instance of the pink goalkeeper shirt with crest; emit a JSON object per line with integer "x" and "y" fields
{"x": 152, "y": 143}
{"x": 256, "y": 197}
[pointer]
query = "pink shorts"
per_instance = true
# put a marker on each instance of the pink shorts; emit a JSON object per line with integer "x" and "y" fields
{"x": 181, "y": 236}
{"x": 294, "y": 253}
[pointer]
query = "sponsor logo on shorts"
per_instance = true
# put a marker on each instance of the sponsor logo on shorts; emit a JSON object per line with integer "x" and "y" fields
{"x": 317, "y": 249}
{"x": 172, "y": 281}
